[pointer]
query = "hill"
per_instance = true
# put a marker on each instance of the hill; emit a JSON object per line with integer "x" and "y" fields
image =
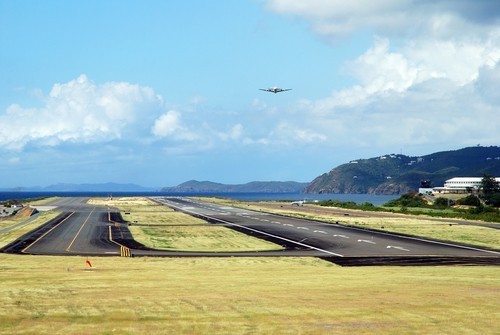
{"x": 63, "y": 187}
{"x": 399, "y": 174}
{"x": 194, "y": 186}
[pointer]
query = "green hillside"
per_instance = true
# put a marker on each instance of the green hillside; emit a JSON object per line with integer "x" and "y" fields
{"x": 255, "y": 186}
{"x": 399, "y": 174}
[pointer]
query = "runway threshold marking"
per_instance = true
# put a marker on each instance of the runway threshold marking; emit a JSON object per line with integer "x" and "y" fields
{"x": 260, "y": 232}
{"x": 124, "y": 251}
{"x": 51, "y": 229}
{"x": 79, "y": 230}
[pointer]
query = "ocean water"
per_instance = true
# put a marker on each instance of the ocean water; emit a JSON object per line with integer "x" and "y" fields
{"x": 376, "y": 200}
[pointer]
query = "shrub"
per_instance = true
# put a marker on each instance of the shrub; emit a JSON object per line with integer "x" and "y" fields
{"x": 470, "y": 200}
{"x": 441, "y": 202}
{"x": 408, "y": 200}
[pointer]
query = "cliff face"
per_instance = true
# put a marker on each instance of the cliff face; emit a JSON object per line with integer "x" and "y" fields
{"x": 400, "y": 174}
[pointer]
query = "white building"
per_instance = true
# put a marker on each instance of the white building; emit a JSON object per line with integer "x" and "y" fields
{"x": 460, "y": 185}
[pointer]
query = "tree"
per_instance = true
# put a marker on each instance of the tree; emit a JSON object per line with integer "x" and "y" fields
{"x": 490, "y": 188}
{"x": 470, "y": 200}
{"x": 441, "y": 202}
{"x": 489, "y": 185}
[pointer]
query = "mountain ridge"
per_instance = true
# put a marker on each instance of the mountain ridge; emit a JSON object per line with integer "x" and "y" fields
{"x": 86, "y": 187}
{"x": 399, "y": 174}
{"x": 193, "y": 186}
{"x": 387, "y": 174}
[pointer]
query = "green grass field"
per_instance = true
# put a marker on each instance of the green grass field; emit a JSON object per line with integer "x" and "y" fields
{"x": 160, "y": 227}
{"x": 411, "y": 225}
{"x": 62, "y": 295}
{"x": 199, "y": 238}
{"x": 17, "y": 226}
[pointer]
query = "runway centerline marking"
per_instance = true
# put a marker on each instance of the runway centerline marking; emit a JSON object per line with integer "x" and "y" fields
{"x": 399, "y": 248}
{"x": 260, "y": 232}
{"x": 367, "y": 241}
{"x": 79, "y": 230}
{"x": 51, "y": 229}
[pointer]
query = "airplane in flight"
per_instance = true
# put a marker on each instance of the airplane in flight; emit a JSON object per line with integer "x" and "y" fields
{"x": 275, "y": 89}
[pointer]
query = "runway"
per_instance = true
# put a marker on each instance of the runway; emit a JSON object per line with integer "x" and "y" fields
{"x": 96, "y": 230}
{"x": 323, "y": 239}
{"x": 80, "y": 230}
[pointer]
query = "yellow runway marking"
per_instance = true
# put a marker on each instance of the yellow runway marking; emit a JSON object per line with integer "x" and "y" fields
{"x": 124, "y": 251}
{"x": 78, "y": 233}
{"x": 38, "y": 239}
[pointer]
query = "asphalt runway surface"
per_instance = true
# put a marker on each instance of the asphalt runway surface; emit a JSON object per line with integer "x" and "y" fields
{"x": 83, "y": 229}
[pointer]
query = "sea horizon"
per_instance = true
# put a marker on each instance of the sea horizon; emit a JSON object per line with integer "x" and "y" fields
{"x": 375, "y": 199}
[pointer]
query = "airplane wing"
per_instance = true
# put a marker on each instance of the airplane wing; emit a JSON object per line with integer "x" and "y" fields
{"x": 275, "y": 90}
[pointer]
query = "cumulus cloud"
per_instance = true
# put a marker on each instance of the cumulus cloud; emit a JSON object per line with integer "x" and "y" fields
{"x": 429, "y": 77}
{"x": 338, "y": 18}
{"x": 167, "y": 124}
{"x": 170, "y": 125}
{"x": 235, "y": 133}
{"x": 80, "y": 111}
{"x": 488, "y": 83}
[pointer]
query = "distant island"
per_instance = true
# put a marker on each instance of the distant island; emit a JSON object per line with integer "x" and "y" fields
{"x": 385, "y": 174}
{"x": 104, "y": 187}
{"x": 194, "y": 186}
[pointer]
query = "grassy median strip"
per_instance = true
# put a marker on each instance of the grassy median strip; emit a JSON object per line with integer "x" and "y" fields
{"x": 473, "y": 235}
{"x": 160, "y": 227}
{"x": 61, "y": 295}
{"x": 411, "y": 225}
{"x": 208, "y": 238}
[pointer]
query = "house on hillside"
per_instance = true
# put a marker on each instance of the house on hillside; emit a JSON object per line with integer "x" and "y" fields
{"x": 460, "y": 185}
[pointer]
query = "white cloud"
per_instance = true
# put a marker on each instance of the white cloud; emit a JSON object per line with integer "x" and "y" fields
{"x": 170, "y": 125}
{"x": 435, "y": 84}
{"x": 80, "y": 111}
{"x": 235, "y": 133}
{"x": 167, "y": 124}
{"x": 338, "y": 18}
{"x": 488, "y": 83}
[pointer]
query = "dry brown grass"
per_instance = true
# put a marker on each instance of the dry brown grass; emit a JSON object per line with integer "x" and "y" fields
{"x": 19, "y": 225}
{"x": 160, "y": 227}
{"x": 397, "y": 223}
{"x": 125, "y": 203}
{"x": 59, "y": 295}
{"x": 207, "y": 238}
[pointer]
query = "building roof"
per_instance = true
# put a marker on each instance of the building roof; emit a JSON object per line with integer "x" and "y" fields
{"x": 467, "y": 179}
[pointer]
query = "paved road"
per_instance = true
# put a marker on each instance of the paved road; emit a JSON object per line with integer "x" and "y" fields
{"x": 322, "y": 239}
{"x": 83, "y": 229}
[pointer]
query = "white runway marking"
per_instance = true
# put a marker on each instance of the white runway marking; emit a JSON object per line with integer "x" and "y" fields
{"x": 367, "y": 241}
{"x": 399, "y": 248}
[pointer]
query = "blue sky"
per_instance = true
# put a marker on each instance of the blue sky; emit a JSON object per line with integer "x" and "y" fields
{"x": 160, "y": 92}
